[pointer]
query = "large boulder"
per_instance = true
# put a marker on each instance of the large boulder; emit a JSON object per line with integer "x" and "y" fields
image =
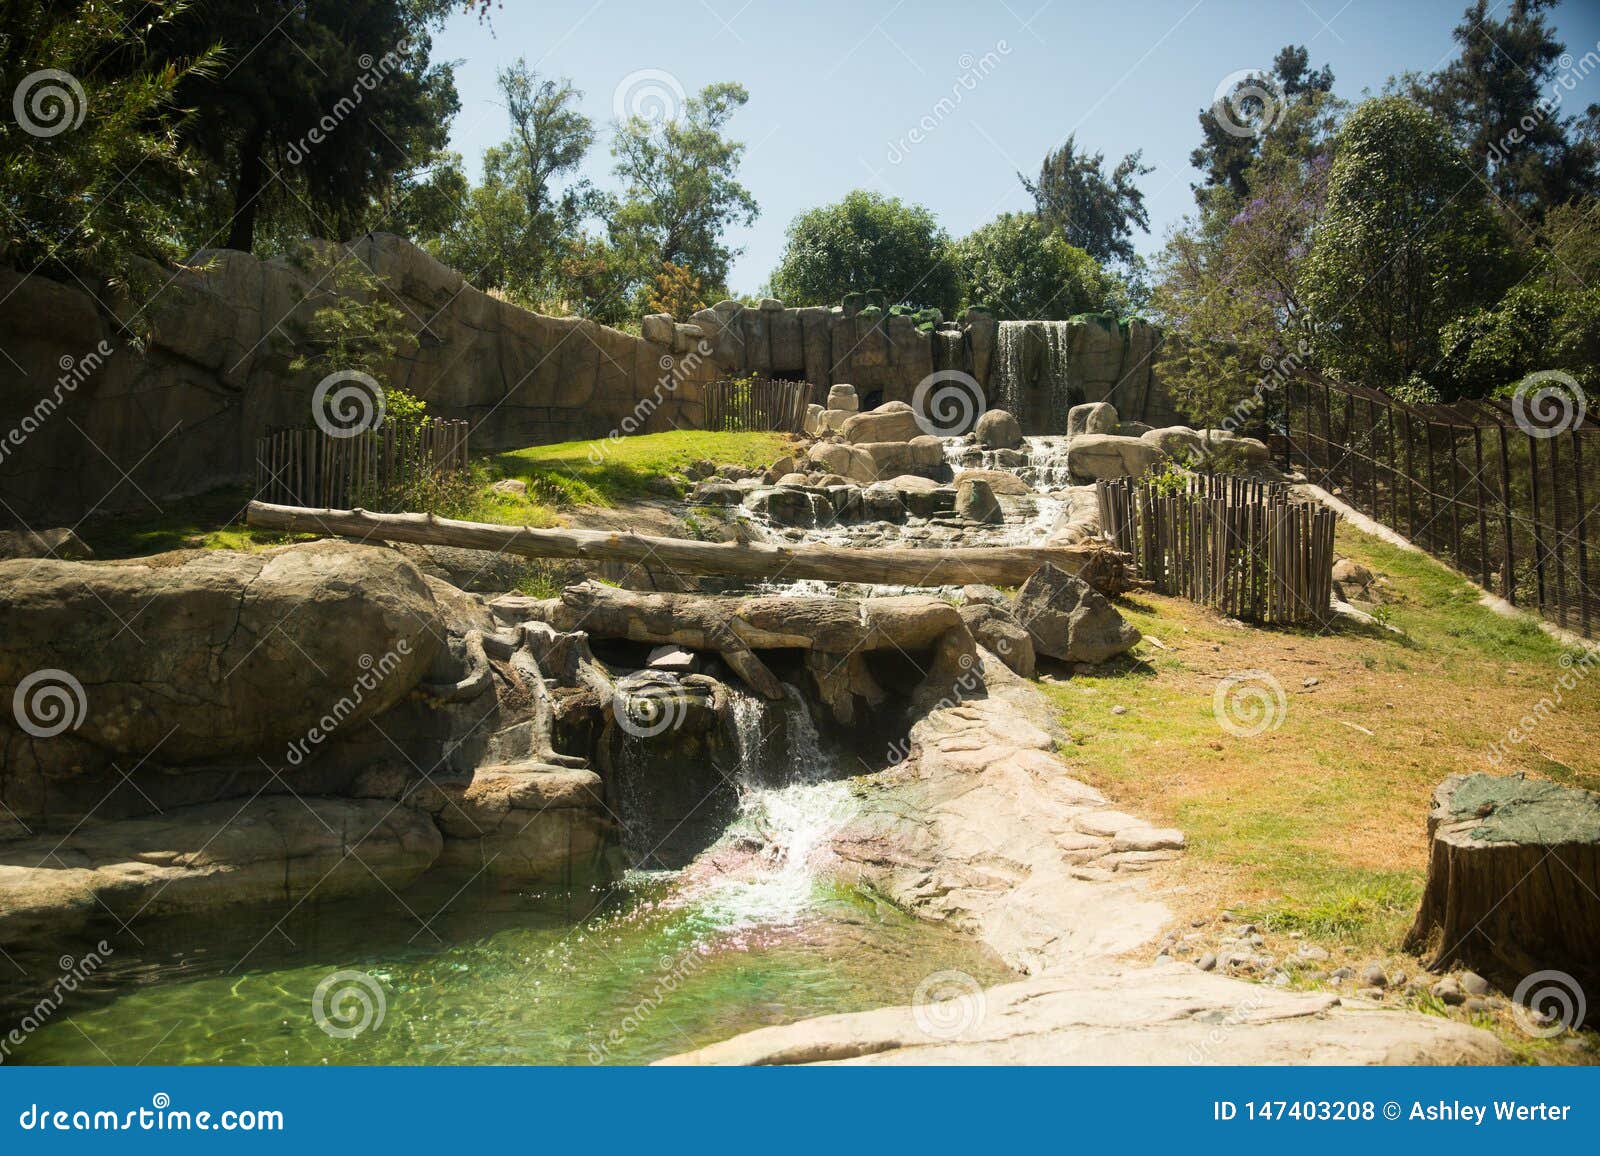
{"x": 1178, "y": 442}
{"x": 1069, "y": 619}
{"x": 998, "y": 631}
{"x": 843, "y": 397}
{"x": 893, "y": 421}
{"x": 199, "y": 655}
{"x": 1095, "y": 456}
{"x": 976, "y": 502}
{"x": 890, "y": 458}
{"x": 1096, "y": 417}
{"x": 997, "y": 430}
{"x": 1000, "y": 481}
{"x": 852, "y": 462}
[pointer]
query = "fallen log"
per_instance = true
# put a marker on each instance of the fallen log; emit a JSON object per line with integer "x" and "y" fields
{"x": 834, "y": 632}
{"x": 1513, "y": 886}
{"x": 1098, "y": 563}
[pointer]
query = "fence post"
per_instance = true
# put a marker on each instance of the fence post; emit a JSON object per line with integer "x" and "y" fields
{"x": 1482, "y": 492}
{"x": 1508, "y": 579}
{"x": 1581, "y": 533}
{"x": 1539, "y": 552}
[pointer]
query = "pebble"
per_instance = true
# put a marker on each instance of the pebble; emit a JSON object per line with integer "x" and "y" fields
{"x": 1198, "y": 922}
{"x": 1373, "y": 993}
{"x": 1340, "y": 974}
{"x": 1474, "y": 984}
{"x": 1280, "y": 979}
{"x": 1207, "y": 962}
{"x": 1312, "y": 951}
{"x": 1373, "y": 975}
{"x": 1448, "y": 991}
{"x": 1476, "y": 1004}
{"x": 1119, "y": 710}
{"x": 1311, "y": 682}
{"x": 1397, "y": 979}
{"x": 1257, "y": 941}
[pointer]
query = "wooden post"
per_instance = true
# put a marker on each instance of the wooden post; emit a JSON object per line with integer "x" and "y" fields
{"x": 1584, "y": 598}
{"x": 1480, "y": 490}
{"x": 1508, "y": 582}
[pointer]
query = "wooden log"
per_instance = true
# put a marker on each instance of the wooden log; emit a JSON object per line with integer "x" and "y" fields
{"x": 1513, "y": 880}
{"x": 1097, "y": 563}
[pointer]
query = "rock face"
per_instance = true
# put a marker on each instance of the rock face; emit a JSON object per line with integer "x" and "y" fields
{"x": 997, "y": 430}
{"x": 1094, "y": 456}
{"x": 1167, "y": 1014}
{"x": 1095, "y": 417}
{"x": 210, "y": 653}
{"x": 976, "y": 502}
{"x": 270, "y": 849}
{"x": 999, "y": 633}
{"x": 60, "y": 543}
{"x": 1071, "y": 620}
{"x": 893, "y": 421}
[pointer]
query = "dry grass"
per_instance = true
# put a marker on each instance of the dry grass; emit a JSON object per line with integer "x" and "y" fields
{"x": 1316, "y": 827}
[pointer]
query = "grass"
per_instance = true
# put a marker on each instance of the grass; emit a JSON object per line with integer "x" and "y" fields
{"x": 597, "y": 473}
{"x": 607, "y": 471}
{"x": 1317, "y": 825}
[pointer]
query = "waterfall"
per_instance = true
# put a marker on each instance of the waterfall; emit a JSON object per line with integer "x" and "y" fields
{"x": 1057, "y": 361}
{"x": 1006, "y": 371}
{"x": 950, "y": 349}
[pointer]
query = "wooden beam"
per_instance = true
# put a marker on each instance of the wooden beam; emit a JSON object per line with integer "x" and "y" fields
{"x": 1097, "y": 563}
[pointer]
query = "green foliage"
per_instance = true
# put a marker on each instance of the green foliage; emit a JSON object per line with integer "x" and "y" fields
{"x": 680, "y": 191}
{"x": 1094, "y": 211}
{"x": 519, "y": 225}
{"x": 1028, "y": 270}
{"x": 313, "y": 127}
{"x": 1501, "y": 97}
{"x": 865, "y": 242}
{"x": 83, "y": 199}
{"x": 1406, "y": 244}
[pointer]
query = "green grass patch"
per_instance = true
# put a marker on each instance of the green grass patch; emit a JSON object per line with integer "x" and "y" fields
{"x": 606, "y": 471}
{"x": 210, "y": 521}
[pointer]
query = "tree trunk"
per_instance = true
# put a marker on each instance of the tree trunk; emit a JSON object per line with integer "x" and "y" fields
{"x": 1096, "y": 563}
{"x": 246, "y": 192}
{"x": 1513, "y": 880}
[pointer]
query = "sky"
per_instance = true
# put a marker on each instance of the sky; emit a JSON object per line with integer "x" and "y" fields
{"x": 941, "y": 103}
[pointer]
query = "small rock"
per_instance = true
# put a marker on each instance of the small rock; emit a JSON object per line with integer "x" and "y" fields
{"x": 1373, "y": 975}
{"x": 1119, "y": 710}
{"x": 1312, "y": 951}
{"x": 1207, "y": 962}
{"x": 1476, "y": 1004}
{"x": 1474, "y": 984}
{"x": 1398, "y": 979}
{"x": 1448, "y": 991}
{"x": 510, "y": 486}
{"x": 1340, "y": 974}
{"x": 1373, "y": 993}
{"x": 674, "y": 658}
{"x": 1311, "y": 682}
{"x": 1280, "y": 979}
{"x": 1256, "y": 941}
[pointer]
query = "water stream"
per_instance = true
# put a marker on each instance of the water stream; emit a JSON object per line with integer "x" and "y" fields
{"x": 656, "y": 963}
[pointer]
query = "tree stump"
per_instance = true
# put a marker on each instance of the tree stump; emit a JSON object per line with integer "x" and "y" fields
{"x": 1513, "y": 881}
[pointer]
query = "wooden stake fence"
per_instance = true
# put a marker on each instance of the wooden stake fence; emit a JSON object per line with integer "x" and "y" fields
{"x": 306, "y": 467}
{"x": 757, "y": 404}
{"x": 1239, "y": 545}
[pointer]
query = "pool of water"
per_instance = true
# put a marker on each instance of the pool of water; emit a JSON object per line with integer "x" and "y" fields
{"x": 655, "y": 964}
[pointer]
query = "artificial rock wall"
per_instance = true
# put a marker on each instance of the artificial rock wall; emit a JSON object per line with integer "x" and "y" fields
{"x": 91, "y": 421}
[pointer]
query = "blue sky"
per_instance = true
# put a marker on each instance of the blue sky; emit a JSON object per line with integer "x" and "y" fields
{"x": 836, "y": 88}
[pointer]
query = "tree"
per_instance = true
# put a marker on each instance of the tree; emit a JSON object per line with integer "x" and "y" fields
{"x": 681, "y": 193}
{"x": 867, "y": 241}
{"x": 324, "y": 102}
{"x": 675, "y": 290}
{"x": 1502, "y": 97}
{"x": 1406, "y": 244}
{"x": 1021, "y": 267}
{"x": 1288, "y": 107}
{"x": 78, "y": 170}
{"x": 1094, "y": 212}
{"x": 517, "y": 225}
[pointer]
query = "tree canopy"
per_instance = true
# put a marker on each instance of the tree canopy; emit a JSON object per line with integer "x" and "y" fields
{"x": 1095, "y": 211}
{"x": 868, "y": 241}
{"x": 1022, "y": 268}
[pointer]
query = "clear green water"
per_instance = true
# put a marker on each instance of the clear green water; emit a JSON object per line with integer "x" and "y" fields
{"x": 628, "y": 973}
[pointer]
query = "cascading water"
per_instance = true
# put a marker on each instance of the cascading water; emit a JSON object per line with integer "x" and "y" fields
{"x": 1006, "y": 371}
